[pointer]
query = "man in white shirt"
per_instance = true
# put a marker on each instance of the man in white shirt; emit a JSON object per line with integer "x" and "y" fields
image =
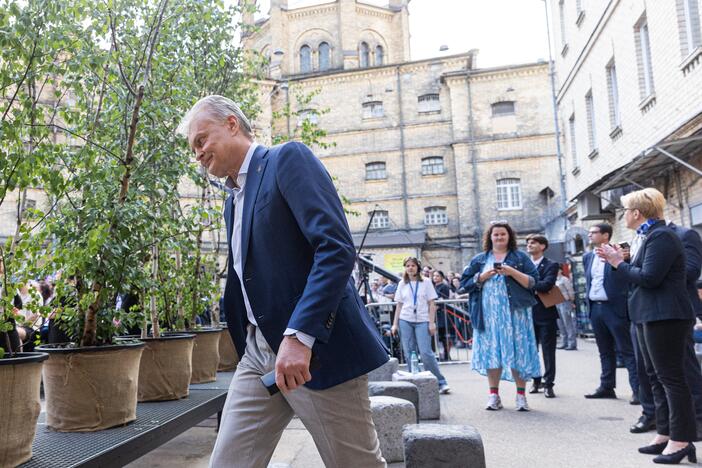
{"x": 607, "y": 297}
{"x": 289, "y": 299}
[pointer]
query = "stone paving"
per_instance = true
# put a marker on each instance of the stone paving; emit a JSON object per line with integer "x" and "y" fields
{"x": 568, "y": 431}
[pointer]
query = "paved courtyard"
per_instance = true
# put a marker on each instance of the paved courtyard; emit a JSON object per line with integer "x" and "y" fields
{"x": 568, "y": 431}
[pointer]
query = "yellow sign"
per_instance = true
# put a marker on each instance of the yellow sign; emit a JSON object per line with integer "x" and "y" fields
{"x": 393, "y": 262}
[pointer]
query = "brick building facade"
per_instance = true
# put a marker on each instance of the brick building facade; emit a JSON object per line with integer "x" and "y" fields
{"x": 437, "y": 147}
{"x": 630, "y": 103}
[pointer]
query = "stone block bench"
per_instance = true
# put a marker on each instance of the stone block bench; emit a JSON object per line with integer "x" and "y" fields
{"x": 442, "y": 446}
{"x": 403, "y": 390}
{"x": 390, "y": 415}
{"x": 384, "y": 372}
{"x": 428, "y": 388}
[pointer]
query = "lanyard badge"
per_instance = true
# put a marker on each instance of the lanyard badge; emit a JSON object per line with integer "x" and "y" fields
{"x": 414, "y": 295}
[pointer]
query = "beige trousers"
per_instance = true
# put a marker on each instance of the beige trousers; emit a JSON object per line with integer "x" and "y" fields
{"x": 338, "y": 418}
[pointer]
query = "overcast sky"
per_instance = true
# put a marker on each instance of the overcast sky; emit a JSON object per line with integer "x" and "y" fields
{"x": 505, "y": 31}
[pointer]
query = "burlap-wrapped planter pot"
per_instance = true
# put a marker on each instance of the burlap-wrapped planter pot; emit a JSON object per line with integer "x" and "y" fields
{"x": 91, "y": 388}
{"x": 165, "y": 367}
{"x": 228, "y": 357}
{"x": 20, "y": 378}
{"x": 205, "y": 355}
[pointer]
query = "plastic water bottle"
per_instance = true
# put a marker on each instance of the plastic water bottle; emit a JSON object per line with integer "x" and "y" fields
{"x": 414, "y": 363}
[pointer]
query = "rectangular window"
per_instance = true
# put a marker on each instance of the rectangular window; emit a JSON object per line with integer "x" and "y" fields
{"x": 591, "y": 129}
{"x": 381, "y": 220}
{"x": 509, "y": 194}
{"x": 573, "y": 145}
{"x": 433, "y": 165}
{"x": 310, "y": 115}
{"x": 372, "y": 110}
{"x": 429, "y": 103}
{"x": 376, "y": 171}
{"x": 435, "y": 215}
{"x": 613, "y": 88}
{"x": 689, "y": 25}
{"x": 578, "y": 6}
{"x": 643, "y": 51}
{"x": 502, "y": 108}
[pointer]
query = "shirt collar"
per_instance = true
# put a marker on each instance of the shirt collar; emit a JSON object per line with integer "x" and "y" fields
{"x": 241, "y": 176}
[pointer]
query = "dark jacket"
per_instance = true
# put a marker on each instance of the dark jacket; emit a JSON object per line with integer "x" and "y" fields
{"x": 692, "y": 244}
{"x": 548, "y": 273}
{"x": 297, "y": 257}
{"x": 519, "y": 297}
{"x": 657, "y": 276}
{"x": 615, "y": 286}
{"x": 443, "y": 291}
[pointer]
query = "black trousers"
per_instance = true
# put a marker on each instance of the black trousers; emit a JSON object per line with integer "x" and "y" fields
{"x": 546, "y": 338}
{"x": 612, "y": 337}
{"x": 662, "y": 345}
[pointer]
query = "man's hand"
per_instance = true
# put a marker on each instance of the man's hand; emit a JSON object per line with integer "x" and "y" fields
{"x": 292, "y": 365}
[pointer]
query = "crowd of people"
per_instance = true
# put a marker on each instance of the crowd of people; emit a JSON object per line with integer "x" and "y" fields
{"x": 642, "y": 301}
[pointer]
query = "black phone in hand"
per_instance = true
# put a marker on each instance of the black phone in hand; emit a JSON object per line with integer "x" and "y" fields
{"x": 497, "y": 265}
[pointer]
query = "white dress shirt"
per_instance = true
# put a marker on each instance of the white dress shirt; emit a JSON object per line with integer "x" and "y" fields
{"x": 304, "y": 338}
{"x": 597, "y": 290}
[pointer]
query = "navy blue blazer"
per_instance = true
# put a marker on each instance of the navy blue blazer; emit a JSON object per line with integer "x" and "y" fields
{"x": 548, "y": 274}
{"x": 692, "y": 244}
{"x": 615, "y": 286}
{"x": 657, "y": 277}
{"x": 297, "y": 257}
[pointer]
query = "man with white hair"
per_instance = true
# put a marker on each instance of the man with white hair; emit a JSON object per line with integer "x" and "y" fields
{"x": 289, "y": 300}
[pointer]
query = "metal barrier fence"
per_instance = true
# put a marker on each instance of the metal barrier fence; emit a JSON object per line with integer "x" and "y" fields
{"x": 453, "y": 339}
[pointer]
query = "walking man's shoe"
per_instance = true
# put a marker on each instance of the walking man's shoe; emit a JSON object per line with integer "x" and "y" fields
{"x": 602, "y": 393}
{"x": 644, "y": 424}
{"x": 634, "y": 400}
{"x": 535, "y": 387}
{"x": 548, "y": 392}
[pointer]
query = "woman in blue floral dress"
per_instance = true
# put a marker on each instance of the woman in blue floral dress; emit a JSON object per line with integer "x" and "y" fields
{"x": 500, "y": 282}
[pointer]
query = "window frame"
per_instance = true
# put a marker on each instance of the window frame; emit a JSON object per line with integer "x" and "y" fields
{"x": 381, "y": 220}
{"x": 426, "y": 105}
{"x": 506, "y": 199}
{"x": 429, "y": 165}
{"x": 305, "y": 51}
{"x": 435, "y": 216}
{"x": 645, "y": 62}
{"x": 380, "y": 49}
{"x": 373, "y": 113}
{"x": 307, "y": 114}
{"x": 615, "y": 117}
{"x": 573, "y": 141}
{"x": 327, "y": 55}
{"x": 381, "y": 169}
{"x": 364, "y": 55}
{"x": 591, "y": 121}
{"x": 495, "y": 106}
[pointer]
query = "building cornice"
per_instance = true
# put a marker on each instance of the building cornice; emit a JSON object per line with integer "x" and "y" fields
{"x": 312, "y": 10}
{"x": 369, "y": 10}
{"x": 507, "y": 71}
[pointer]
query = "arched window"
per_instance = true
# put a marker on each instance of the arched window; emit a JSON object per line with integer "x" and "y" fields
{"x": 379, "y": 56}
{"x": 305, "y": 59}
{"x": 364, "y": 52}
{"x": 324, "y": 56}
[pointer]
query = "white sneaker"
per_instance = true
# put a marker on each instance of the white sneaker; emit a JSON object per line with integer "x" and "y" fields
{"x": 444, "y": 389}
{"x": 522, "y": 403}
{"x": 494, "y": 403}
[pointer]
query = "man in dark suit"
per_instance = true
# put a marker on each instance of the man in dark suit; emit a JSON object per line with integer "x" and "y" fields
{"x": 289, "y": 300}
{"x": 545, "y": 318}
{"x": 607, "y": 296}
{"x": 693, "y": 265}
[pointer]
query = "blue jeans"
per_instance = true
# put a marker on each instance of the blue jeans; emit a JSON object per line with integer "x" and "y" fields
{"x": 415, "y": 335}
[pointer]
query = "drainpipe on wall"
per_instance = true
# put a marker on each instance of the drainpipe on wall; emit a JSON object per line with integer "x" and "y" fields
{"x": 402, "y": 148}
{"x": 474, "y": 163}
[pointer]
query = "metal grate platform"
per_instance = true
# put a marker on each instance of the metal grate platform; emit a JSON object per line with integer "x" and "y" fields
{"x": 156, "y": 423}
